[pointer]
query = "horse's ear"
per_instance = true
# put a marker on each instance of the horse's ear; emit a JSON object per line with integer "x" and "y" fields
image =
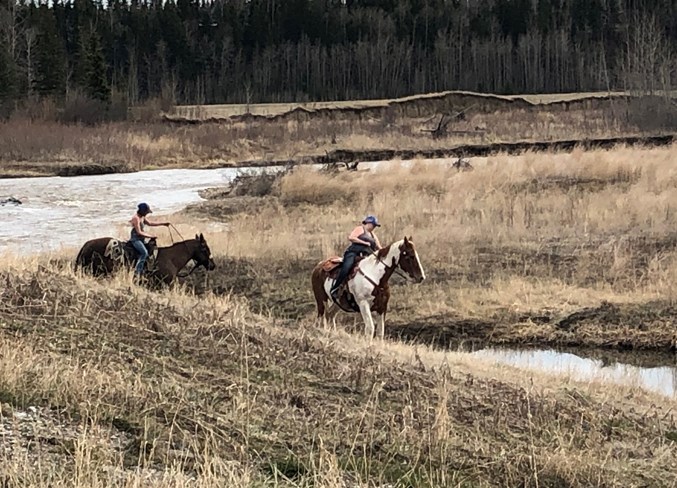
{"x": 406, "y": 241}
{"x": 202, "y": 238}
{"x": 197, "y": 237}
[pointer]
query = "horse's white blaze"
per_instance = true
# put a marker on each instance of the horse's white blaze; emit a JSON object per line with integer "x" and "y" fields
{"x": 420, "y": 266}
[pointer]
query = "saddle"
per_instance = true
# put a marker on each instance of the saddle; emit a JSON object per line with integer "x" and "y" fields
{"x": 124, "y": 252}
{"x": 332, "y": 266}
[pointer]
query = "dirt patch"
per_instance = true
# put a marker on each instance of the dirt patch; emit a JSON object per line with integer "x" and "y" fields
{"x": 89, "y": 169}
{"x": 467, "y": 150}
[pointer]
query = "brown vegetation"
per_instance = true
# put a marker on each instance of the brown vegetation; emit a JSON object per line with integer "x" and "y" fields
{"x": 103, "y": 383}
{"x": 37, "y": 146}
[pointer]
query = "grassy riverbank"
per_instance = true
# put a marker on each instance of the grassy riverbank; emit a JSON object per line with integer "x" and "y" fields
{"x": 106, "y": 384}
{"x": 570, "y": 249}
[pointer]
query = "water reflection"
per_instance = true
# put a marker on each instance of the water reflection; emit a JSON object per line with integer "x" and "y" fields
{"x": 659, "y": 379}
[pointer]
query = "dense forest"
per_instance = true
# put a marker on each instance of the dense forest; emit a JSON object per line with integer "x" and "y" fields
{"x": 238, "y": 51}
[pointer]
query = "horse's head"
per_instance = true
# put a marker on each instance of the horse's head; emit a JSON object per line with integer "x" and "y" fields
{"x": 202, "y": 255}
{"x": 409, "y": 261}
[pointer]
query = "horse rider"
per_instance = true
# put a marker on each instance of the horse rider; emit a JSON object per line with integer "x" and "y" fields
{"x": 363, "y": 242}
{"x": 139, "y": 222}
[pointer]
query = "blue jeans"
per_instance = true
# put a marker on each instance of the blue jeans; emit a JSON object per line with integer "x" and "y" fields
{"x": 143, "y": 255}
{"x": 346, "y": 266}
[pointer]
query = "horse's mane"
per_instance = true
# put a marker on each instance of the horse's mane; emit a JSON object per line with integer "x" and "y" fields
{"x": 179, "y": 243}
{"x": 383, "y": 252}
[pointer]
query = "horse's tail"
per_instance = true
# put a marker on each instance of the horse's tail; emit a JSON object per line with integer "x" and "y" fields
{"x": 317, "y": 281}
{"x": 84, "y": 258}
{"x": 80, "y": 258}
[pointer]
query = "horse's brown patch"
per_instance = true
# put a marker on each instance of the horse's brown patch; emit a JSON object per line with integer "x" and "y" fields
{"x": 383, "y": 252}
{"x": 408, "y": 261}
{"x": 317, "y": 280}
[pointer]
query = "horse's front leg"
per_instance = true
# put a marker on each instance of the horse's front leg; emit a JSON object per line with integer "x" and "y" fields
{"x": 365, "y": 310}
{"x": 380, "y": 325}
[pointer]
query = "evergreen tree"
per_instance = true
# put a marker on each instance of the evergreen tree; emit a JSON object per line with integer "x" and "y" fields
{"x": 8, "y": 82}
{"x": 96, "y": 71}
{"x": 50, "y": 56}
{"x": 274, "y": 50}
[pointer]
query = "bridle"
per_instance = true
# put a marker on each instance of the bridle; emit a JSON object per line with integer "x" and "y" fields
{"x": 184, "y": 275}
{"x": 378, "y": 260}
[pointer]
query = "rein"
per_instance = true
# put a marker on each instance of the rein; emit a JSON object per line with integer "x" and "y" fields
{"x": 396, "y": 270}
{"x": 378, "y": 260}
{"x": 179, "y": 275}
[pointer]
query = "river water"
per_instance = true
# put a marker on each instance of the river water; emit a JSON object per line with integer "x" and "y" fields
{"x": 661, "y": 379}
{"x": 61, "y": 212}
{"x": 64, "y": 212}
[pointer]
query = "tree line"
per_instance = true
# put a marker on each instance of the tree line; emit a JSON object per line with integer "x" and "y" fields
{"x": 240, "y": 51}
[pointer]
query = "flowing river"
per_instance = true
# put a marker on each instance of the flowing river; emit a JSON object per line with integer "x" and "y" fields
{"x": 63, "y": 212}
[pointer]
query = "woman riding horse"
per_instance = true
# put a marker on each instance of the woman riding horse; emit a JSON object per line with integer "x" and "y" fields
{"x": 369, "y": 287}
{"x": 363, "y": 242}
{"x": 139, "y": 221}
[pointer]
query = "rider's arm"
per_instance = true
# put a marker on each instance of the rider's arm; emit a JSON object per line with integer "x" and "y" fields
{"x": 378, "y": 243}
{"x": 354, "y": 236}
{"x": 156, "y": 224}
{"x": 136, "y": 223}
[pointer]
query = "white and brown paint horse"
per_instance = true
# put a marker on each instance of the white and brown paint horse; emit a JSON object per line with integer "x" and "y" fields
{"x": 368, "y": 284}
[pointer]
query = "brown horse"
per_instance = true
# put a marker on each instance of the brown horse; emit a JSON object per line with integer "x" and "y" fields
{"x": 106, "y": 255}
{"x": 367, "y": 287}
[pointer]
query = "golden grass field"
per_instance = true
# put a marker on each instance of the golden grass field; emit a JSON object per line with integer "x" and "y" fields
{"x": 227, "y": 380}
{"x": 514, "y": 250}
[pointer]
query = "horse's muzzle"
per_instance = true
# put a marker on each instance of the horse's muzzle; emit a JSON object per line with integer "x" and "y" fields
{"x": 211, "y": 265}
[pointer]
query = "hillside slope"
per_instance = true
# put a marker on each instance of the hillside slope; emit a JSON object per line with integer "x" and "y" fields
{"x": 173, "y": 390}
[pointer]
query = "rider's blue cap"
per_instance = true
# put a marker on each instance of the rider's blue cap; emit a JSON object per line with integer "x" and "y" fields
{"x": 370, "y": 219}
{"x": 144, "y": 208}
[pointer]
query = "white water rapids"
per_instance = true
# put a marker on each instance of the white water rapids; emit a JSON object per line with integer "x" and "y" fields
{"x": 67, "y": 211}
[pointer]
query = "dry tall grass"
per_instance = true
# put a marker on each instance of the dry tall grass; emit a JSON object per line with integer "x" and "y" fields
{"x": 534, "y": 235}
{"x": 130, "y": 387}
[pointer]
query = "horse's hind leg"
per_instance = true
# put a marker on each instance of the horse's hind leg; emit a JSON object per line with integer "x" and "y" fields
{"x": 317, "y": 282}
{"x": 330, "y": 315}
